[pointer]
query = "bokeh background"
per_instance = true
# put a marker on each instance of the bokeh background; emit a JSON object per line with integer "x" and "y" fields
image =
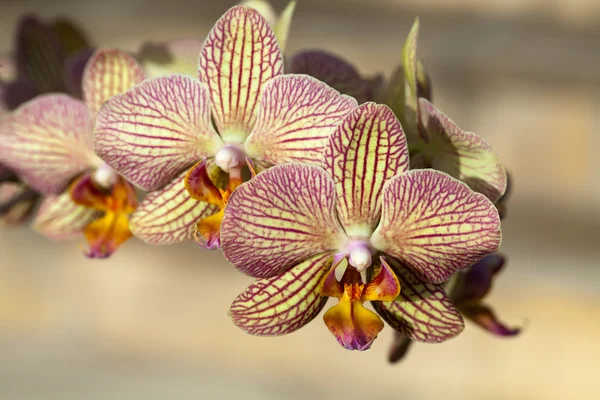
{"x": 151, "y": 322}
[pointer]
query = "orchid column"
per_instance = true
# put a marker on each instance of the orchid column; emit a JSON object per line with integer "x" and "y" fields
{"x": 48, "y": 143}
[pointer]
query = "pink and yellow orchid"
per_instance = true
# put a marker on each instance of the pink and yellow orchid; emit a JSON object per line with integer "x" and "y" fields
{"x": 155, "y": 132}
{"x": 467, "y": 291}
{"x": 47, "y": 57}
{"x": 294, "y": 225}
{"x": 48, "y": 143}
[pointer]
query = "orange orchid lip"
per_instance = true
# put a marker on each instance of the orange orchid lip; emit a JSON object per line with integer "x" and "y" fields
{"x": 354, "y": 326}
{"x": 115, "y": 204}
{"x": 200, "y": 187}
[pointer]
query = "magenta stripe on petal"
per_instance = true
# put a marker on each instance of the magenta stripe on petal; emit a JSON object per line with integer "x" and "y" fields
{"x": 464, "y": 155}
{"x": 280, "y": 218}
{"x": 283, "y": 303}
{"x": 297, "y": 115}
{"x": 366, "y": 150}
{"x": 422, "y": 311}
{"x": 60, "y": 218}
{"x": 48, "y": 141}
{"x": 169, "y": 215}
{"x": 238, "y": 58}
{"x": 109, "y": 72}
{"x": 152, "y": 132}
{"x": 435, "y": 224}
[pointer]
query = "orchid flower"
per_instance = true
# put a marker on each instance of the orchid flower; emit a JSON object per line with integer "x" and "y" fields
{"x": 468, "y": 290}
{"x": 180, "y": 56}
{"x": 47, "y": 57}
{"x": 155, "y": 132}
{"x": 433, "y": 139}
{"x": 48, "y": 143}
{"x": 293, "y": 225}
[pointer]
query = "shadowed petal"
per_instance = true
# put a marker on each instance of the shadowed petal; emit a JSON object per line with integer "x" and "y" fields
{"x": 399, "y": 347}
{"x": 60, "y": 218}
{"x": 436, "y": 224}
{"x": 240, "y": 55}
{"x": 70, "y": 36}
{"x": 175, "y": 57}
{"x": 485, "y": 317}
{"x": 109, "y": 72}
{"x": 283, "y": 303}
{"x": 464, "y": 155}
{"x": 74, "y": 68}
{"x": 169, "y": 215}
{"x": 422, "y": 311}
{"x": 334, "y": 71}
{"x": 152, "y": 132}
{"x": 474, "y": 283}
{"x": 49, "y": 141}
{"x": 364, "y": 152}
{"x": 15, "y": 93}
{"x": 40, "y": 56}
{"x": 297, "y": 115}
{"x": 278, "y": 219}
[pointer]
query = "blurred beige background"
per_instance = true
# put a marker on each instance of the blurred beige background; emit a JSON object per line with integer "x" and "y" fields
{"x": 151, "y": 322}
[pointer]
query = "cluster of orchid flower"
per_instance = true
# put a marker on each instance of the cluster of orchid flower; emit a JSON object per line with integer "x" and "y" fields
{"x": 318, "y": 182}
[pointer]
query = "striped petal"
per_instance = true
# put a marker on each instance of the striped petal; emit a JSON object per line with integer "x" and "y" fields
{"x": 280, "y": 218}
{"x": 283, "y": 303}
{"x": 334, "y": 71}
{"x": 108, "y": 73}
{"x": 282, "y": 26}
{"x": 435, "y": 224}
{"x": 365, "y": 151}
{"x": 60, "y": 218}
{"x": 175, "y": 57}
{"x": 423, "y": 311}
{"x": 40, "y": 56}
{"x": 49, "y": 142}
{"x": 297, "y": 115}
{"x": 169, "y": 215}
{"x": 240, "y": 55}
{"x": 154, "y": 131}
{"x": 464, "y": 155}
{"x": 264, "y": 8}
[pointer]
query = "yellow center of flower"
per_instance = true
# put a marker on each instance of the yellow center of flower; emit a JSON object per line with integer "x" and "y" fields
{"x": 354, "y": 326}
{"x": 114, "y": 205}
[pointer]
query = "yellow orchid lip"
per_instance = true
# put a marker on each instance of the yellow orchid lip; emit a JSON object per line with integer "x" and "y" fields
{"x": 114, "y": 204}
{"x": 354, "y": 326}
